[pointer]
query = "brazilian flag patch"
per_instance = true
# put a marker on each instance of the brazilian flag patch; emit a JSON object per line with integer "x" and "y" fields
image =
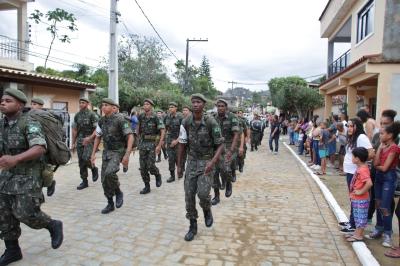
{"x": 33, "y": 129}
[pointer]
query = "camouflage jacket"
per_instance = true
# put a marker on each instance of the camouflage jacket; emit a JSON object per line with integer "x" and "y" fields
{"x": 229, "y": 125}
{"x": 202, "y": 138}
{"x": 114, "y": 130}
{"x": 149, "y": 130}
{"x": 85, "y": 122}
{"x": 18, "y": 136}
{"x": 172, "y": 126}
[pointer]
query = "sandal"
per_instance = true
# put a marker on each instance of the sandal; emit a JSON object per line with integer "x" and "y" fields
{"x": 354, "y": 239}
{"x": 393, "y": 253}
{"x": 319, "y": 173}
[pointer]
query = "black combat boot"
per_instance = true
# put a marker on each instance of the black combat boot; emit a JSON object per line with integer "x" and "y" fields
{"x": 12, "y": 253}
{"x": 241, "y": 167}
{"x": 51, "y": 188}
{"x": 158, "y": 158}
{"x": 222, "y": 184}
{"x": 158, "y": 180}
{"x": 55, "y": 228}
{"x": 110, "y": 206}
{"x": 215, "y": 200}
{"x": 95, "y": 174}
{"x": 146, "y": 188}
{"x": 208, "y": 217}
{"x": 83, "y": 185}
{"x": 192, "y": 230}
{"x": 233, "y": 176}
{"x": 252, "y": 148}
{"x": 228, "y": 191}
{"x": 119, "y": 198}
{"x": 172, "y": 178}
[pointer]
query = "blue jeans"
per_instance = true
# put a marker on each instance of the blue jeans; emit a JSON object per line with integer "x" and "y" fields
{"x": 301, "y": 147}
{"x": 275, "y": 138}
{"x": 349, "y": 177}
{"x": 316, "y": 151}
{"x": 291, "y": 136}
{"x": 385, "y": 185}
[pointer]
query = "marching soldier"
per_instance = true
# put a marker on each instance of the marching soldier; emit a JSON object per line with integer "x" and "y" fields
{"x": 118, "y": 139}
{"x": 243, "y": 143}
{"x": 230, "y": 131}
{"x": 22, "y": 147}
{"x": 173, "y": 122}
{"x": 256, "y": 127}
{"x": 85, "y": 122}
{"x": 150, "y": 131}
{"x": 201, "y": 135}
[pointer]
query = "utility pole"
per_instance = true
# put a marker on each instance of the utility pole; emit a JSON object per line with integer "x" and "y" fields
{"x": 113, "y": 57}
{"x": 186, "y": 86}
{"x": 233, "y": 82}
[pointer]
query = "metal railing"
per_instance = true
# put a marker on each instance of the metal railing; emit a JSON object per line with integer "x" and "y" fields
{"x": 9, "y": 48}
{"x": 339, "y": 64}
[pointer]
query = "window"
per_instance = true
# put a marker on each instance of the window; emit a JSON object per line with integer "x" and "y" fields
{"x": 365, "y": 25}
{"x": 60, "y": 106}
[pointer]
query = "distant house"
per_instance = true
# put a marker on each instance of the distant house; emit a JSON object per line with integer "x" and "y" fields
{"x": 371, "y": 67}
{"x": 17, "y": 72}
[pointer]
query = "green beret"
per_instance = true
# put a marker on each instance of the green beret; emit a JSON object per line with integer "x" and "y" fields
{"x": 198, "y": 96}
{"x": 173, "y": 103}
{"x": 149, "y": 101}
{"x": 84, "y": 99}
{"x": 110, "y": 102}
{"x": 222, "y": 101}
{"x": 38, "y": 101}
{"x": 17, "y": 94}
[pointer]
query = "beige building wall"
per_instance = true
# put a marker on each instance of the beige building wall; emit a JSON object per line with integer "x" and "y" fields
{"x": 51, "y": 95}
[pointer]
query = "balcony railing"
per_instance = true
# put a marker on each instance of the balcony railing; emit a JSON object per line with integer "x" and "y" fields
{"x": 339, "y": 64}
{"x": 9, "y": 48}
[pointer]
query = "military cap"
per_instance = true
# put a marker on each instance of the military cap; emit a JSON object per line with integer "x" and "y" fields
{"x": 38, "y": 101}
{"x": 17, "y": 94}
{"x": 173, "y": 103}
{"x": 110, "y": 101}
{"x": 198, "y": 96}
{"x": 223, "y": 101}
{"x": 187, "y": 107}
{"x": 150, "y": 101}
{"x": 233, "y": 109}
{"x": 84, "y": 99}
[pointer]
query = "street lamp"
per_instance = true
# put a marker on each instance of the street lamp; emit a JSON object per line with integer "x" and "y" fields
{"x": 186, "y": 85}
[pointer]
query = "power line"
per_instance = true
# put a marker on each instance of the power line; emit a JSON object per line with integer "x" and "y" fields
{"x": 159, "y": 36}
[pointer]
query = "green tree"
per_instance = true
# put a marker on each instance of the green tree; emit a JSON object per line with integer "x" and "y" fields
{"x": 56, "y": 18}
{"x": 256, "y": 97}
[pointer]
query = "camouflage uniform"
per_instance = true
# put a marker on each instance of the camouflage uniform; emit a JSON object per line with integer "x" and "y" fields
{"x": 244, "y": 125}
{"x": 256, "y": 133}
{"x": 149, "y": 136}
{"x": 114, "y": 131}
{"x": 229, "y": 125}
{"x": 201, "y": 141}
{"x": 21, "y": 186}
{"x": 172, "y": 126}
{"x": 85, "y": 122}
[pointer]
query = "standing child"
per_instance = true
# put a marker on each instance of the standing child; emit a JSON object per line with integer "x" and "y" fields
{"x": 323, "y": 147}
{"x": 359, "y": 193}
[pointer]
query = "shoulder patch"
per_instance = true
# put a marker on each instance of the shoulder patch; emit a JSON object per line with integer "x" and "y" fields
{"x": 33, "y": 129}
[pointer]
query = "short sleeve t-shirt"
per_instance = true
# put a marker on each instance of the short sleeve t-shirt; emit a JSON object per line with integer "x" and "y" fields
{"x": 358, "y": 181}
{"x": 385, "y": 154}
{"x": 348, "y": 166}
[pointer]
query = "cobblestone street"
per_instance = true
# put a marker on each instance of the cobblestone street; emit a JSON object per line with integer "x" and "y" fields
{"x": 276, "y": 216}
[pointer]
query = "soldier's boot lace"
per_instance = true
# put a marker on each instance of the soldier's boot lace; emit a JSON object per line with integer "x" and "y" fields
{"x": 215, "y": 200}
{"x": 146, "y": 188}
{"x": 110, "y": 206}
{"x": 83, "y": 185}
{"x": 228, "y": 191}
{"x": 158, "y": 180}
{"x": 51, "y": 188}
{"x": 192, "y": 230}
{"x": 208, "y": 217}
{"x": 55, "y": 228}
{"x": 172, "y": 178}
{"x": 12, "y": 253}
{"x": 95, "y": 174}
{"x": 119, "y": 198}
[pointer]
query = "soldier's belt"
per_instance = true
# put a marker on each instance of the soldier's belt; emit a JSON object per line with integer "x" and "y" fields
{"x": 151, "y": 137}
{"x": 200, "y": 157}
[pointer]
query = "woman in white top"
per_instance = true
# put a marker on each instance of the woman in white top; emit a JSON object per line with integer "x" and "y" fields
{"x": 356, "y": 138}
{"x": 370, "y": 125}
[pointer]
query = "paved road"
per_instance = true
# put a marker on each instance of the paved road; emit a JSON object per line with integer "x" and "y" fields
{"x": 276, "y": 216}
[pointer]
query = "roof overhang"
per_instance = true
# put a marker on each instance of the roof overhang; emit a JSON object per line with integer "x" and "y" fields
{"x": 11, "y": 75}
{"x": 12, "y": 4}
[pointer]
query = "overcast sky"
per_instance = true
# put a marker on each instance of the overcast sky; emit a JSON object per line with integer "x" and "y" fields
{"x": 250, "y": 41}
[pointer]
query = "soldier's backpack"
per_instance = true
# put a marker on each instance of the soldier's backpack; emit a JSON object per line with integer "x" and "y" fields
{"x": 58, "y": 152}
{"x": 256, "y": 125}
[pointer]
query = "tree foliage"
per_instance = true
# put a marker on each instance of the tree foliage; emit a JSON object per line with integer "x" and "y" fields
{"x": 56, "y": 18}
{"x": 293, "y": 96}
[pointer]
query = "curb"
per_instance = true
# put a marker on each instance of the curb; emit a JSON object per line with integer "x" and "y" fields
{"x": 363, "y": 253}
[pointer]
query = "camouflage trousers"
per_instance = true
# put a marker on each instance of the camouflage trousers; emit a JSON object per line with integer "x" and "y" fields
{"x": 21, "y": 208}
{"x": 225, "y": 168}
{"x": 172, "y": 157}
{"x": 147, "y": 162}
{"x": 109, "y": 170}
{"x": 240, "y": 159}
{"x": 255, "y": 138}
{"x": 197, "y": 183}
{"x": 84, "y": 153}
